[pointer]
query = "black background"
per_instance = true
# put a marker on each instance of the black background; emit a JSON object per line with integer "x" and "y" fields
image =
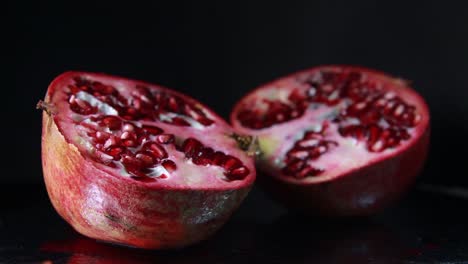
{"x": 216, "y": 51}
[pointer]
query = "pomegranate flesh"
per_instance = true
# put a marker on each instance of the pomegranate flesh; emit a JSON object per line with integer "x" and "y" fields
{"x": 138, "y": 164}
{"x": 336, "y": 140}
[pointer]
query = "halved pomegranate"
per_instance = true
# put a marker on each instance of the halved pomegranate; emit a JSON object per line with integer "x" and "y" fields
{"x": 139, "y": 164}
{"x": 336, "y": 140}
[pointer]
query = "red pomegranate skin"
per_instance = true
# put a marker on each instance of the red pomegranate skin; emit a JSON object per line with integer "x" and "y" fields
{"x": 364, "y": 191}
{"x": 122, "y": 211}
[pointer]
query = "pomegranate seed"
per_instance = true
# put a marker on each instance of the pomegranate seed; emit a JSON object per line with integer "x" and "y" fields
{"x": 101, "y": 137}
{"x": 165, "y": 138}
{"x": 308, "y": 172}
{"x": 137, "y": 104}
{"x": 190, "y": 147}
{"x": 417, "y": 118}
{"x": 179, "y": 121}
{"x": 152, "y": 130}
{"x": 112, "y": 141}
{"x": 377, "y": 146}
{"x": 145, "y": 157}
{"x": 129, "y": 143}
{"x": 169, "y": 165}
{"x": 103, "y": 89}
{"x": 135, "y": 171}
{"x": 218, "y": 158}
{"x": 294, "y": 166}
{"x": 205, "y": 121}
{"x": 298, "y": 154}
{"x": 129, "y": 160}
{"x": 238, "y": 173}
{"x": 374, "y": 133}
{"x": 157, "y": 151}
{"x": 399, "y": 110}
{"x": 127, "y": 135}
{"x": 203, "y": 157}
{"x": 128, "y": 127}
{"x": 231, "y": 163}
{"x": 112, "y": 122}
{"x": 82, "y": 107}
{"x": 308, "y": 143}
{"x": 315, "y": 152}
{"x": 173, "y": 104}
{"x": 115, "y": 152}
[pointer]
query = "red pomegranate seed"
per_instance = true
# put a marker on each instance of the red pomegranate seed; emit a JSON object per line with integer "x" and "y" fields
{"x": 173, "y": 104}
{"x": 205, "y": 121}
{"x": 169, "y": 165}
{"x": 219, "y": 158}
{"x": 203, "y": 157}
{"x": 112, "y": 122}
{"x": 308, "y": 143}
{"x": 129, "y": 143}
{"x": 129, "y": 160}
{"x": 374, "y": 133}
{"x": 128, "y": 127}
{"x": 115, "y": 152}
{"x": 101, "y": 137}
{"x": 377, "y": 146}
{"x": 238, "y": 173}
{"x": 294, "y": 166}
{"x": 112, "y": 141}
{"x": 81, "y": 107}
{"x": 146, "y": 157}
{"x": 157, "y": 151}
{"x": 298, "y": 154}
{"x": 135, "y": 171}
{"x": 178, "y": 121}
{"x": 128, "y": 135}
{"x": 165, "y": 138}
{"x": 190, "y": 147}
{"x": 103, "y": 89}
{"x": 152, "y": 130}
{"x": 231, "y": 163}
{"x": 308, "y": 172}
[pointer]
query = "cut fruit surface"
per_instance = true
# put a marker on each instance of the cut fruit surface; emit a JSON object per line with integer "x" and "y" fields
{"x": 331, "y": 122}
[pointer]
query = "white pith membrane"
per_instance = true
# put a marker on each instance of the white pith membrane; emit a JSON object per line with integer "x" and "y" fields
{"x": 345, "y": 153}
{"x": 76, "y": 128}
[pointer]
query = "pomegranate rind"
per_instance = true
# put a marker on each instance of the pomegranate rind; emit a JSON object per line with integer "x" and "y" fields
{"x": 355, "y": 191}
{"x": 120, "y": 210}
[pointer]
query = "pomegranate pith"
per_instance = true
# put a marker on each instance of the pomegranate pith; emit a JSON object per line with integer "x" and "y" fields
{"x": 118, "y": 168}
{"x": 337, "y": 140}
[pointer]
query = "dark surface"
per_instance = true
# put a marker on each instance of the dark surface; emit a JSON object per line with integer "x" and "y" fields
{"x": 422, "y": 228}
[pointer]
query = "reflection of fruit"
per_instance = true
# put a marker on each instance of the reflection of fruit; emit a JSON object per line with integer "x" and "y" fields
{"x": 336, "y": 140}
{"x": 138, "y": 164}
{"x": 84, "y": 250}
{"x": 294, "y": 236}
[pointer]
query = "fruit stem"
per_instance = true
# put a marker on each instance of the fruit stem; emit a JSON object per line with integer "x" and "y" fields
{"x": 45, "y": 107}
{"x": 249, "y": 144}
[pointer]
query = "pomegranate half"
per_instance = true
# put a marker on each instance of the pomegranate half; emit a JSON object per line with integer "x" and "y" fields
{"x": 336, "y": 140}
{"x": 138, "y": 164}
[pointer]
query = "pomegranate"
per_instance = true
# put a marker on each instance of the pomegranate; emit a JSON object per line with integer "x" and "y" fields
{"x": 138, "y": 164}
{"x": 336, "y": 140}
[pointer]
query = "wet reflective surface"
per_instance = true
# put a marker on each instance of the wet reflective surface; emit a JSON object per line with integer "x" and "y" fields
{"x": 422, "y": 228}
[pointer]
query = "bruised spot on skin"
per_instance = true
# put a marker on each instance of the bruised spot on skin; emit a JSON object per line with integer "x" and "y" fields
{"x": 119, "y": 221}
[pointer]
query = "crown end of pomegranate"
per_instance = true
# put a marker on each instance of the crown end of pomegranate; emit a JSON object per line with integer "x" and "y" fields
{"x": 249, "y": 144}
{"x": 45, "y": 107}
